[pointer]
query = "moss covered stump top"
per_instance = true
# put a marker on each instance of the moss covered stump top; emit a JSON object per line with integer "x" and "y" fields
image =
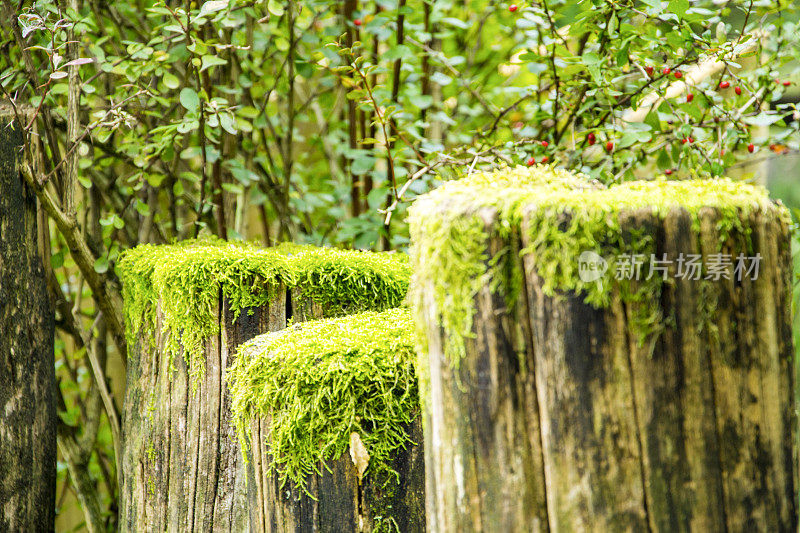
{"x": 319, "y": 382}
{"x": 558, "y": 215}
{"x": 184, "y": 281}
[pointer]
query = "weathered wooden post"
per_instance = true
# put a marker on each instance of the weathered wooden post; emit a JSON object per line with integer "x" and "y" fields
{"x": 188, "y": 307}
{"x": 329, "y": 410}
{"x": 605, "y": 359}
{"x": 27, "y": 367}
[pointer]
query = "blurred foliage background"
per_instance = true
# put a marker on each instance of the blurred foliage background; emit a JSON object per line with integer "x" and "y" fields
{"x": 319, "y": 121}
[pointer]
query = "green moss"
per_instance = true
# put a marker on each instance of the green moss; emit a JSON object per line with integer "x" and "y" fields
{"x": 317, "y": 382}
{"x": 564, "y": 215}
{"x": 449, "y": 242}
{"x": 187, "y": 278}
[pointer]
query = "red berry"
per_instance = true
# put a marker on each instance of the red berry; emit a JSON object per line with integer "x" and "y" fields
{"x": 545, "y": 144}
{"x": 666, "y": 70}
{"x": 737, "y": 90}
{"x": 684, "y": 141}
{"x": 609, "y": 146}
{"x": 591, "y": 139}
{"x": 691, "y": 140}
{"x": 689, "y": 97}
{"x": 787, "y": 83}
{"x": 531, "y": 161}
{"x": 512, "y": 7}
{"x": 357, "y": 22}
{"x": 751, "y": 148}
{"x": 668, "y": 172}
{"x": 545, "y": 159}
{"x": 721, "y": 153}
{"x": 649, "y": 70}
{"x": 678, "y": 75}
{"x": 724, "y": 85}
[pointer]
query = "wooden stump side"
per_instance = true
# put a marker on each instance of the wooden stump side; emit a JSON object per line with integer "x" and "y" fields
{"x": 183, "y": 468}
{"x": 339, "y": 503}
{"x": 28, "y": 420}
{"x": 484, "y": 458}
{"x": 558, "y": 419}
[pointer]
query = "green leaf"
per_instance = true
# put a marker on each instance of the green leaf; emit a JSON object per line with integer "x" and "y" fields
{"x": 399, "y": 51}
{"x": 627, "y": 140}
{"x": 228, "y": 123}
{"x": 101, "y": 265}
{"x": 155, "y": 181}
{"x": 590, "y": 59}
{"x": 422, "y": 101}
{"x": 212, "y": 7}
{"x": 458, "y": 23}
{"x": 441, "y": 79}
{"x": 211, "y": 61}
{"x": 187, "y": 126}
{"x": 656, "y": 6}
{"x": 141, "y": 207}
{"x": 248, "y": 112}
{"x": 171, "y": 81}
{"x": 275, "y": 8}
{"x": 762, "y": 119}
{"x": 189, "y": 99}
{"x": 652, "y": 120}
{"x": 679, "y": 7}
{"x": 234, "y": 188}
{"x": 363, "y": 164}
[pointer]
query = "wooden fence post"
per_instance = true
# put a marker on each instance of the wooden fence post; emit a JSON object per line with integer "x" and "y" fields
{"x": 618, "y": 358}
{"x": 330, "y": 413}
{"x": 27, "y": 366}
{"x": 197, "y": 302}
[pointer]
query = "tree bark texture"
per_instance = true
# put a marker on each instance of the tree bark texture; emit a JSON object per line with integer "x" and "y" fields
{"x": 27, "y": 366}
{"x": 557, "y": 419}
{"x": 339, "y": 502}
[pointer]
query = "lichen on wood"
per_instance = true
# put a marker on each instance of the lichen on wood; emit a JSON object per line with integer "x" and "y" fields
{"x": 27, "y": 368}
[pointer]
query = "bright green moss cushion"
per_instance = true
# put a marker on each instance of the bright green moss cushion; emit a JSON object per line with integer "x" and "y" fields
{"x": 185, "y": 280}
{"x": 565, "y": 214}
{"x": 320, "y": 381}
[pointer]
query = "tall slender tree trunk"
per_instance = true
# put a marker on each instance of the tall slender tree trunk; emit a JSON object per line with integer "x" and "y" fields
{"x": 27, "y": 367}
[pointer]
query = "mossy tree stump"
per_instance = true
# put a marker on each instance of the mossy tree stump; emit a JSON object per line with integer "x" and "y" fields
{"x": 188, "y": 308}
{"x": 567, "y": 401}
{"x": 27, "y": 366}
{"x": 329, "y": 410}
